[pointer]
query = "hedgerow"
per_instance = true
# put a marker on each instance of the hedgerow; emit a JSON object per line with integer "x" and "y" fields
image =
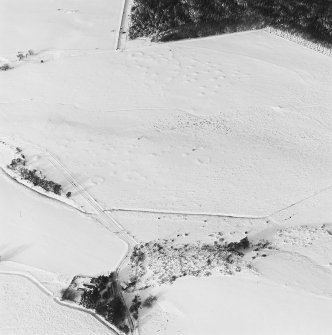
{"x": 5, "y": 67}
{"x": 34, "y": 176}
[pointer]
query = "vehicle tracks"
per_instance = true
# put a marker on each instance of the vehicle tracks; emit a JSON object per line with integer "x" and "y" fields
{"x": 106, "y": 220}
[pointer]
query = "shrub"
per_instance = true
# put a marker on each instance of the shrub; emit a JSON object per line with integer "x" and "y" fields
{"x": 20, "y": 55}
{"x": 124, "y": 328}
{"x": 69, "y": 294}
{"x": 110, "y": 307}
{"x": 137, "y": 255}
{"x": 15, "y": 163}
{"x": 136, "y": 304}
{"x": 149, "y": 301}
{"x": 5, "y": 67}
{"x": 236, "y": 246}
{"x": 34, "y": 176}
{"x": 37, "y": 179}
{"x": 102, "y": 309}
{"x": 262, "y": 244}
{"x": 90, "y": 298}
{"x": 56, "y": 188}
{"x": 116, "y": 311}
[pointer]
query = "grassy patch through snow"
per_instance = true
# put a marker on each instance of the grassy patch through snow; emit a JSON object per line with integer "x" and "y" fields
{"x": 161, "y": 262}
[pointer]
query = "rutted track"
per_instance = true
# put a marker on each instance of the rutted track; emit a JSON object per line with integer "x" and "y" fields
{"x": 102, "y": 217}
{"x": 107, "y": 221}
{"x": 184, "y": 213}
{"x": 268, "y": 216}
{"x": 124, "y": 26}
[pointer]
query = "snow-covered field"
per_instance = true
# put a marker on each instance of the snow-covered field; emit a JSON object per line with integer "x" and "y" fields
{"x": 38, "y": 313}
{"x": 37, "y": 232}
{"x": 226, "y": 134}
{"x": 236, "y": 305}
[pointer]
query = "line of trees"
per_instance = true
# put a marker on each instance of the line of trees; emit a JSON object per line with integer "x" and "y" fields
{"x": 34, "y": 176}
{"x": 176, "y": 19}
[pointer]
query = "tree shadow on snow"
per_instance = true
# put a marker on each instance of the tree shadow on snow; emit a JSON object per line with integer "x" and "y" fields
{"x": 8, "y": 254}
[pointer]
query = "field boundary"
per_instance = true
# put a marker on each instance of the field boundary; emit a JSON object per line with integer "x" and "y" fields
{"x": 122, "y": 33}
{"x": 300, "y": 40}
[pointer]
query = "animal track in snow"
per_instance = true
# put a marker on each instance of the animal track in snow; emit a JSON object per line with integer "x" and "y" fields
{"x": 68, "y": 11}
{"x": 303, "y": 236}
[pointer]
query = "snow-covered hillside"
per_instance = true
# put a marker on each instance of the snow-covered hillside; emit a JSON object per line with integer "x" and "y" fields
{"x": 226, "y": 134}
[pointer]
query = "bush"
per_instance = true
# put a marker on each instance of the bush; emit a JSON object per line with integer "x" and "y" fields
{"x": 137, "y": 255}
{"x": 34, "y": 176}
{"x": 116, "y": 313}
{"x": 15, "y": 163}
{"x": 262, "y": 244}
{"x": 37, "y": 179}
{"x": 124, "y": 328}
{"x": 102, "y": 309}
{"x": 136, "y": 304}
{"x": 20, "y": 55}
{"x": 5, "y": 67}
{"x": 109, "y": 306}
{"x": 149, "y": 301}
{"x": 56, "y": 188}
{"x": 236, "y": 246}
{"x": 69, "y": 294}
{"x": 90, "y": 298}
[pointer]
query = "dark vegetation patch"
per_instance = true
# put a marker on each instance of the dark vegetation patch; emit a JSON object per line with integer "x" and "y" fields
{"x": 69, "y": 294}
{"x": 5, "y": 67}
{"x": 135, "y": 305}
{"x": 103, "y": 297}
{"x": 166, "y": 20}
{"x": 34, "y": 176}
{"x": 263, "y": 244}
{"x": 163, "y": 261}
{"x": 237, "y": 246}
{"x": 149, "y": 301}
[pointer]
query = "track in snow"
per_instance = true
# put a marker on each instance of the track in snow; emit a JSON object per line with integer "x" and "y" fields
{"x": 124, "y": 26}
{"x": 183, "y": 213}
{"x": 107, "y": 221}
